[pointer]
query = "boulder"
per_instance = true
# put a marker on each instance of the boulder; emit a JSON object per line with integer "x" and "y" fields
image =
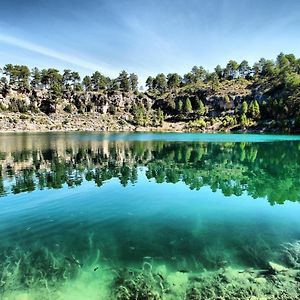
{"x": 276, "y": 268}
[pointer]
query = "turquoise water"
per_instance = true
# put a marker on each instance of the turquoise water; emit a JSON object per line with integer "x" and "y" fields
{"x": 190, "y": 202}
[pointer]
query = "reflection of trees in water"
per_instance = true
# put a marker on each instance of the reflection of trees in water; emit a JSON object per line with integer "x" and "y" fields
{"x": 262, "y": 169}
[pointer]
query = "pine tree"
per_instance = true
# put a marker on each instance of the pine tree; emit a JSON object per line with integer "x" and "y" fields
{"x": 244, "y": 121}
{"x": 179, "y": 105}
{"x": 244, "y": 107}
{"x": 188, "y": 106}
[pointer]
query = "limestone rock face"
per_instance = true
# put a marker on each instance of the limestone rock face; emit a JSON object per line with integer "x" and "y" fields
{"x": 226, "y": 99}
{"x": 106, "y": 102}
{"x": 99, "y": 102}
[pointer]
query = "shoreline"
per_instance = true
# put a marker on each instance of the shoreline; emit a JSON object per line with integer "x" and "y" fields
{"x": 95, "y": 122}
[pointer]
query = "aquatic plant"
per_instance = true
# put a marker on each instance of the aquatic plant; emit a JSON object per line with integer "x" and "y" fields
{"x": 132, "y": 284}
{"x": 291, "y": 254}
{"x": 241, "y": 285}
{"x": 38, "y": 268}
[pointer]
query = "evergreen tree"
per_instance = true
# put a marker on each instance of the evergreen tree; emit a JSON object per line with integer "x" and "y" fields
{"x": 133, "y": 78}
{"x": 200, "y": 74}
{"x": 244, "y": 69}
{"x": 87, "y": 83}
{"x": 230, "y": 71}
{"x": 179, "y": 105}
{"x": 66, "y": 78}
{"x": 99, "y": 81}
{"x": 219, "y": 71}
{"x": 202, "y": 108}
{"x": 50, "y": 76}
{"x": 160, "y": 83}
{"x": 244, "y": 121}
{"x": 254, "y": 109}
{"x": 149, "y": 83}
{"x": 173, "y": 81}
{"x": 124, "y": 81}
{"x": 35, "y": 78}
{"x": 187, "y": 106}
{"x": 244, "y": 107}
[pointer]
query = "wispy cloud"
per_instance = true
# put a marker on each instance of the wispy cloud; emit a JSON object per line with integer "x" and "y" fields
{"x": 11, "y": 40}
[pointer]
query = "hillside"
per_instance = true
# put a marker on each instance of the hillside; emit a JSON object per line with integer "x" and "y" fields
{"x": 265, "y": 97}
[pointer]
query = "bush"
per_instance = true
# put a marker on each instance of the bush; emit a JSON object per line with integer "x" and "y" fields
{"x": 200, "y": 123}
{"x": 68, "y": 108}
{"x": 24, "y": 117}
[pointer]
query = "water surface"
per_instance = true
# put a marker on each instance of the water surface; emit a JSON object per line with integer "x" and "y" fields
{"x": 190, "y": 202}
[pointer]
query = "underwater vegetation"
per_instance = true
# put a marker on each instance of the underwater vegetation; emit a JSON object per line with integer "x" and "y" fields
{"x": 291, "y": 253}
{"x": 42, "y": 274}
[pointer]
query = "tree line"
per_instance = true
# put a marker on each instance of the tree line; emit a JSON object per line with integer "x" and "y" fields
{"x": 24, "y": 78}
{"x": 286, "y": 66}
{"x": 183, "y": 96}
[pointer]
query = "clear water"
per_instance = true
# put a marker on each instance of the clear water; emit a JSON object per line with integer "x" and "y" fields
{"x": 93, "y": 203}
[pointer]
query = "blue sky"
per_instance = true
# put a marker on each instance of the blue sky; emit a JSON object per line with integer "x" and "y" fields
{"x": 145, "y": 37}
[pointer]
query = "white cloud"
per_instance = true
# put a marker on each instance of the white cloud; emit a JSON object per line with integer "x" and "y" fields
{"x": 55, "y": 54}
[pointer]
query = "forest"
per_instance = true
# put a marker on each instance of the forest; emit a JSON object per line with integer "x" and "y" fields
{"x": 237, "y": 96}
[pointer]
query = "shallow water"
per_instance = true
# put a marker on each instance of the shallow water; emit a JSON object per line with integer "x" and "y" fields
{"x": 86, "y": 204}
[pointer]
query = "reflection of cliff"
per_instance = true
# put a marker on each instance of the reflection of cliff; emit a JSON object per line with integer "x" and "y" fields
{"x": 261, "y": 169}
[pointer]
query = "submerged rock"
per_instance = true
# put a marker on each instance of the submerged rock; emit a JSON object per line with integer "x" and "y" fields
{"x": 260, "y": 280}
{"x": 276, "y": 268}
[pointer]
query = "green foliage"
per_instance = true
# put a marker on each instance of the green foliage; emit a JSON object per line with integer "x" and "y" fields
{"x": 219, "y": 71}
{"x": 254, "y": 109}
{"x": 244, "y": 120}
{"x": 199, "y": 123}
{"x": 187, "y": 106}
{"x": 87, "y": 83}
{"x": 140, "y": 115}
{"x": 226, "y": 98}
{"x": 68, "y": 108}
{"x": 199, "y": 73}
{"x": 124, "y": 81}
{"x": 160, "y": 83}
{"x": 50, "y": 77}
{"x": 230, "y": 72}
{"x": 24, "y": 117}
{"x": 213, "y": 78}
{"x": 277, "y": 82}
{"x": 229, "y": 121}
{"x": 244, "y": 69}
{"x": 55, "y": 90}
{"x": 149, "y": 83}
{"x": 158, "y": 118}
{"x": 173, "y": 81}
{"x": 200, "y": 107}
{"x": 99, "y": 81}
{"x": 244, "y": 108}
{"x": 18, "y": 74}
{"x": 179, "y": 105}
{"x": 133, "y": 78}
{"x": 36, "y": 78}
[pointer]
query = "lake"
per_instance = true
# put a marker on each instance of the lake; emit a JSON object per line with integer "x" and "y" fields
{"x": 144, "y": 215}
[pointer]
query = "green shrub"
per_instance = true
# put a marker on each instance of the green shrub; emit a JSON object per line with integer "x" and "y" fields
{"x": 24, "y": 117}
{"x": 68, "y": 108}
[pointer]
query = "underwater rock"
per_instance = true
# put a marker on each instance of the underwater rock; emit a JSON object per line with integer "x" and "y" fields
{"x": 183, "y": 271}
{"x": 260, "y": 280}
{"x": 276, "y": 268}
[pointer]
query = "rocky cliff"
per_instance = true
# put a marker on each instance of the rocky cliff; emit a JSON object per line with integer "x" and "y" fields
{"x": 196, "y": 107}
